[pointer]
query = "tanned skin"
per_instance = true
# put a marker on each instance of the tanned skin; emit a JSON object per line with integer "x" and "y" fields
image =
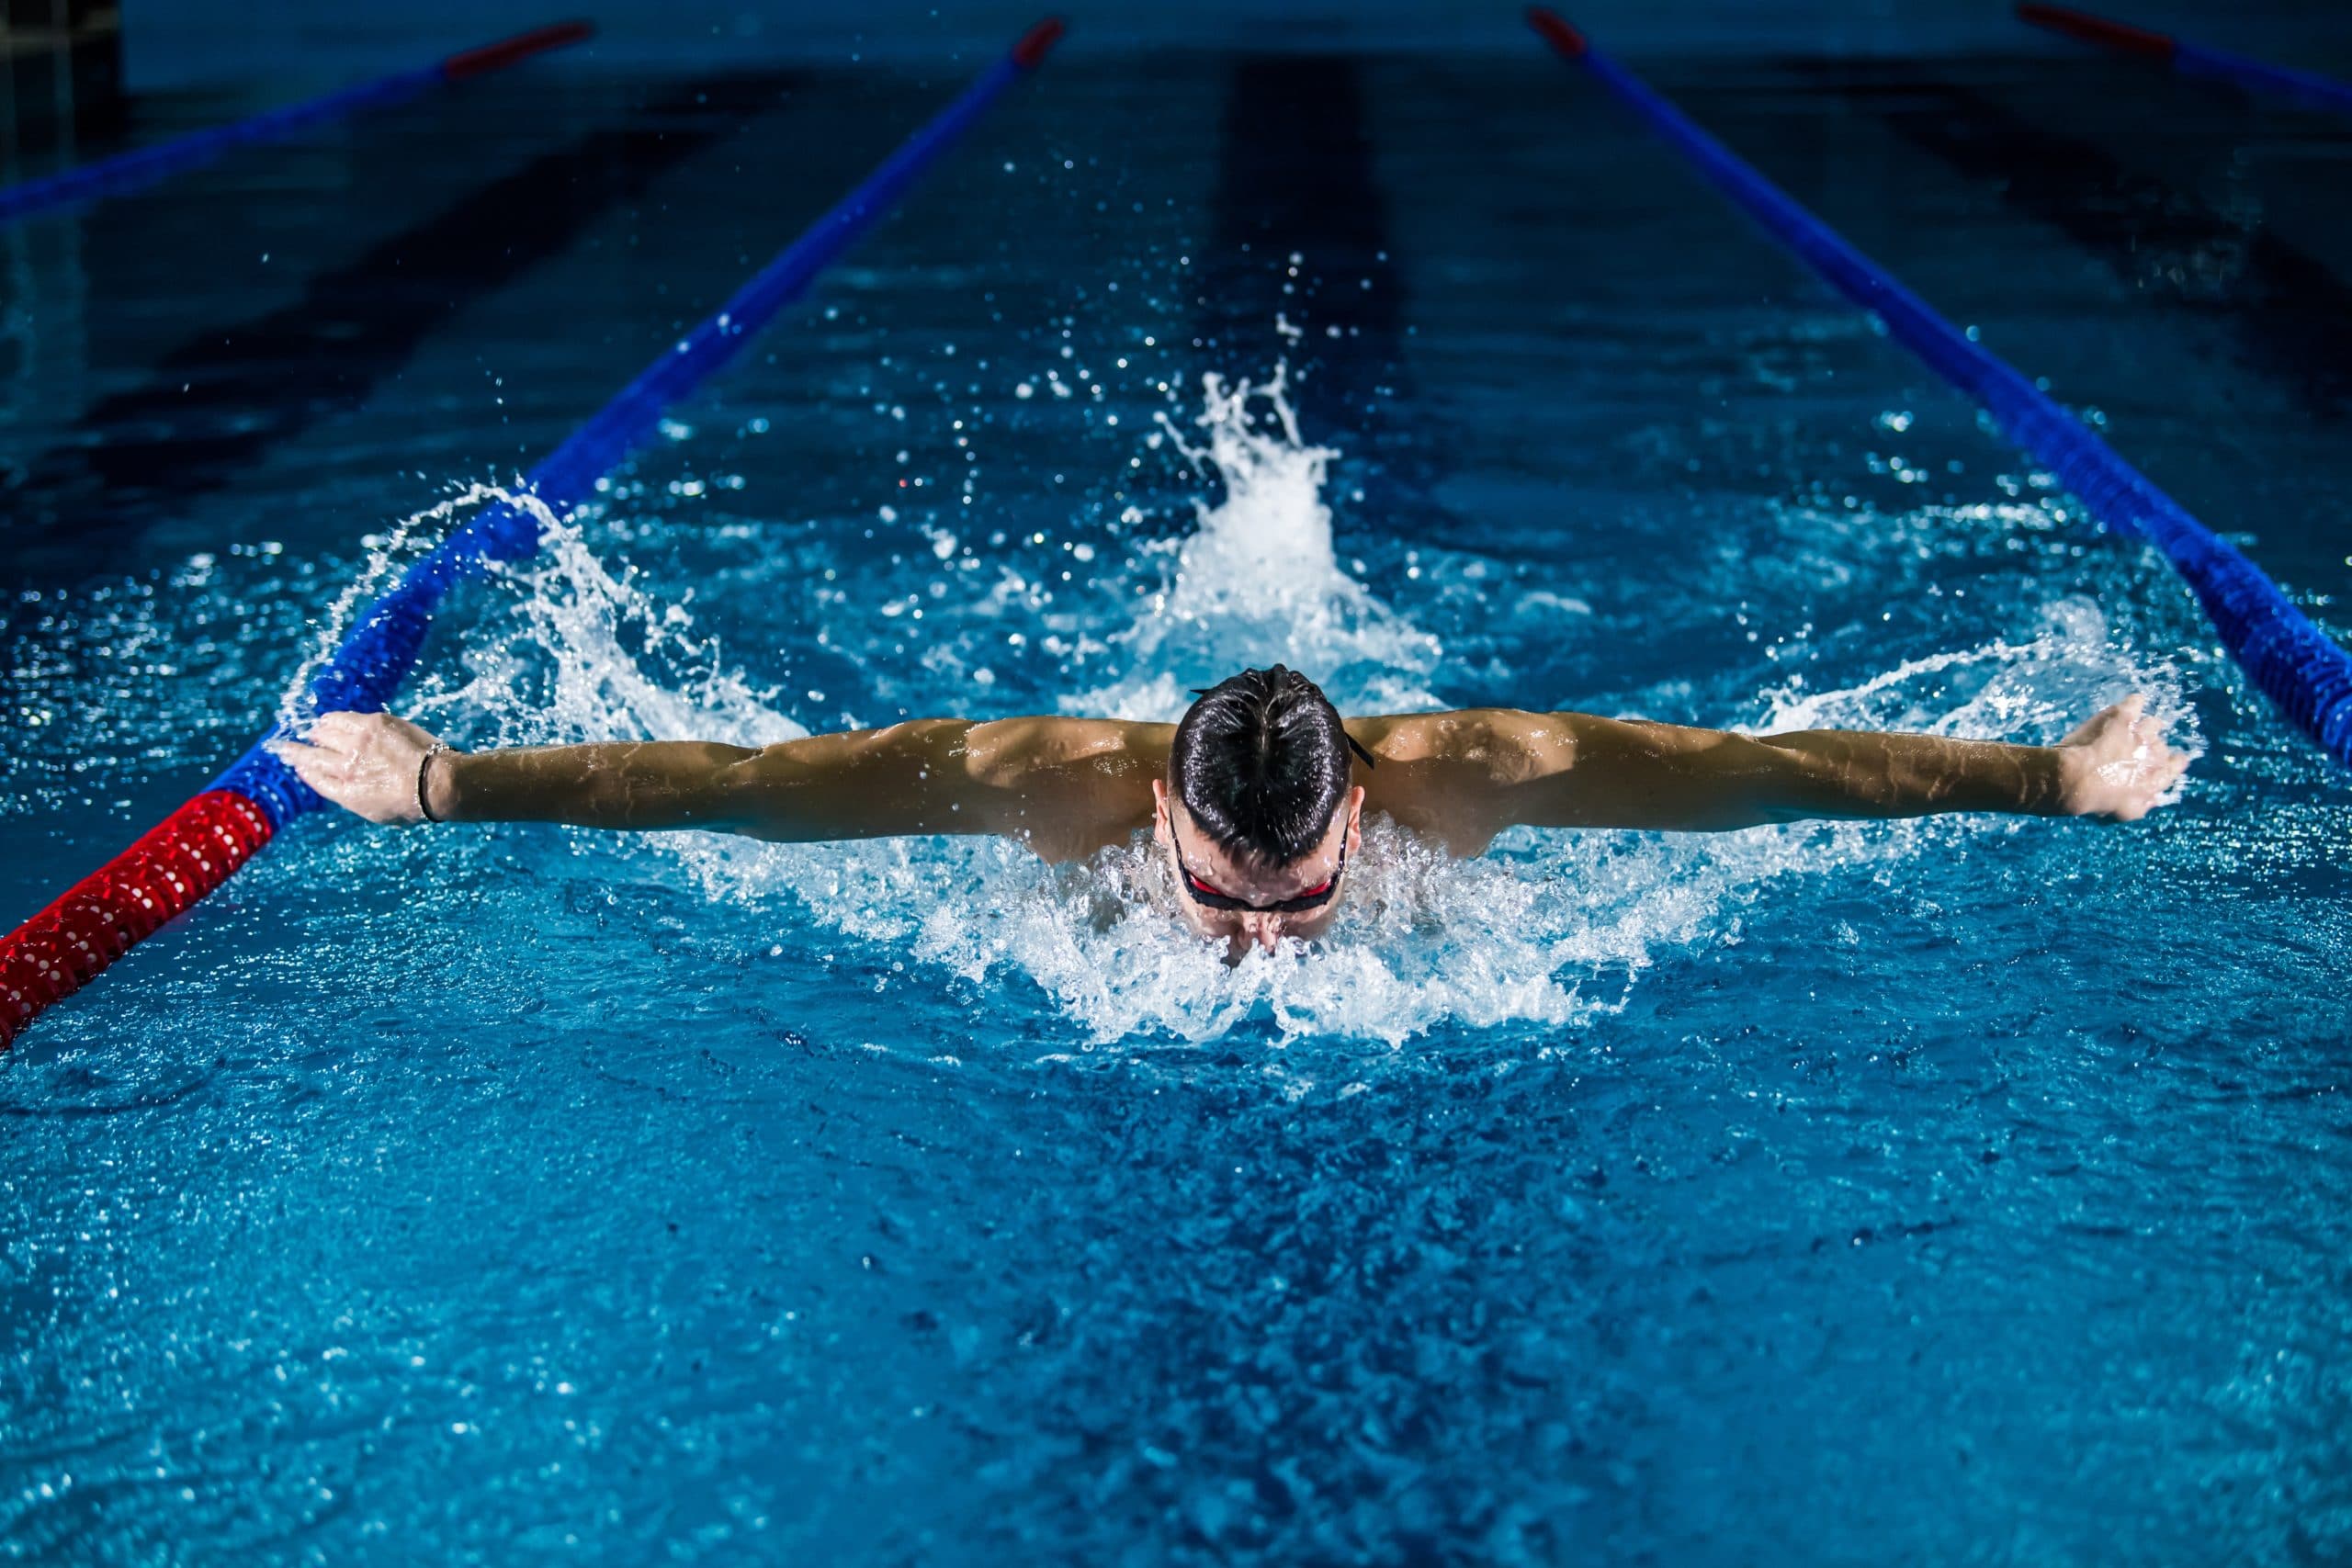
{"x": 1067, "y": 787}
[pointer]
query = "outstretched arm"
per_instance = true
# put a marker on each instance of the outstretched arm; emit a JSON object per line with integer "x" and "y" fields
{"x": 1063, "y": 785}
{"x": 1490, "y": 769}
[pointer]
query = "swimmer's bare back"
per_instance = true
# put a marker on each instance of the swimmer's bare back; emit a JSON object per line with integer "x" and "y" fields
{"x": 1068, "y": 786}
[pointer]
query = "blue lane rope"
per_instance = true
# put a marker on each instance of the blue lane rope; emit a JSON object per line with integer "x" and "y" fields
{"x": 130, "y": 171}
{"x": 367, "y": 667}
{"x": 2283, "y": 653}
{"x": 2307, "y": 86}
{"x": 2190, "y": 58}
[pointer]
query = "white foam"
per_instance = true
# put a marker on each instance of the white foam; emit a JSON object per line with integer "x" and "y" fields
{"x": 2035, "y": 691}
{"x": 603, "y": 659}
{"x": 1257, "y": 581}
{"x": 1550, "y": 930}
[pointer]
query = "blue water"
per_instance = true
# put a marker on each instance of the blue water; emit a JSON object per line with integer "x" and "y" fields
{"x": 1961, "y": 1190}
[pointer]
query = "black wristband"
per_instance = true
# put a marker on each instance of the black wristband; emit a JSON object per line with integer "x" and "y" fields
{"x": 432, "y": 751}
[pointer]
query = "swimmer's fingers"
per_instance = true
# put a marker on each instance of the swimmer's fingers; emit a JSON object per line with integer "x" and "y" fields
{"x": 311, "y": 764}
{"x": 2120, "y": 716}
{"x": 340, "y": 730}
{"x": 325, "y": 771}
{"x": 2144, "y": 781}
{"x": 366, "y": 763}
{"x": 358, "y": 732}
{"x": 2169, "y": 772}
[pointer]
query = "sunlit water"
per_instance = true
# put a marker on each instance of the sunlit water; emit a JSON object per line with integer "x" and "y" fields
{"x": 1960, "y": 1189}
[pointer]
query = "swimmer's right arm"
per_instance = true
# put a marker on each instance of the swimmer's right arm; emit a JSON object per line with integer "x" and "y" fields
{"x": 1064, "y": 784}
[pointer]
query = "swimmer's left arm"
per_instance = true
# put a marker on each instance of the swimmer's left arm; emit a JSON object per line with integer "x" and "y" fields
{"x": 1500, "y": 768}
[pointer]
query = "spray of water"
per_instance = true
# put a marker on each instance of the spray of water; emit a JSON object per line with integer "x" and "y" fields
{"x": 1257, "y": 581}
{"x": 388, "y": 557}
{"x": 2036, "y": 690}
{"x": 1549, "y": 928}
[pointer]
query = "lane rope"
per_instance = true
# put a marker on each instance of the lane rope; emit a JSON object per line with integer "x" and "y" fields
{"x": 2189, "y": 58}
{"x": 207, "y": 840}
{"x": 2287, "y": 657}
{"x": 133, "y": 170}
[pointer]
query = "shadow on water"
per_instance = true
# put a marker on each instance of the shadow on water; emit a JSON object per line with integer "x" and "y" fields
{"x": 1295, "y": 178}
{"x": 2171, "y": 247}
{"x": 222, "y": 400}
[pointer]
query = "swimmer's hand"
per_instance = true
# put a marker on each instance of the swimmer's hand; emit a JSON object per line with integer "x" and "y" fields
{"x": 366, "y": 763}
{"x": 2116, "y": 764}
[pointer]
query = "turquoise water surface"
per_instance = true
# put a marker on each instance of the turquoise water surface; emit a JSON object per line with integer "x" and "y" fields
{"x": 1965, "y": 1190}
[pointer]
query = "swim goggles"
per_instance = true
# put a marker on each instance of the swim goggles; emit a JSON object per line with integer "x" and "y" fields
{"x": 1209, "y": 898}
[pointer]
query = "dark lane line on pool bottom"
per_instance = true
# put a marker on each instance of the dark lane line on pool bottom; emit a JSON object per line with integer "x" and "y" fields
{"x": 220, "y": 401}
{"x": 1295, "y": 176}
{"x": 2290, "y": 313}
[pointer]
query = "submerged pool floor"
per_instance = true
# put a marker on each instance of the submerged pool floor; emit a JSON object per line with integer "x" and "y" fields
{"x": 1968, "y": 1190}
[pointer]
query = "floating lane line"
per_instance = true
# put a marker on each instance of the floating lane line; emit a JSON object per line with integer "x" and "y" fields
{"x": 2193, "y": 59}
{"x": 2288, "y": 658}
{"x": 130, "y": 171}
{"x": 207, "y": 840}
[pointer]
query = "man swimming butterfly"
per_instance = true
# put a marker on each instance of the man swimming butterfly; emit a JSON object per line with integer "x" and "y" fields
{"x": 1254, "y": 796}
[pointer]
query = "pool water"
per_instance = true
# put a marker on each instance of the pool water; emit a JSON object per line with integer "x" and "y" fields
{"x": 1959, "y": 1189}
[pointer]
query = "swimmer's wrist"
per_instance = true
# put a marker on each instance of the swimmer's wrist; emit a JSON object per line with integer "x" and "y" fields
{"x": 2063, "y": 774}
{"x": 442, "y": 794}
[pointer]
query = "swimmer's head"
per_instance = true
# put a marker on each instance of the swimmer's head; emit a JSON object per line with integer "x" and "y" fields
{"x": 1258, "y": 810}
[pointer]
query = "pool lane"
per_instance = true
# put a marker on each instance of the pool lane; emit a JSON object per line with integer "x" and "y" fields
{"x": 2172, "y": 389}
{"x": 2303, "y": 667}
{"x": 222, "y": 400}
{"x": 2195, "y": 60}
{"x": 1299, "y": 176}
{"x": 2168, "y": 244}
{"x": 1295, "y": 177}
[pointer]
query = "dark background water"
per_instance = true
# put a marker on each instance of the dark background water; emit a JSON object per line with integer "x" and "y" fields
{"x": 1973, "y": 1194}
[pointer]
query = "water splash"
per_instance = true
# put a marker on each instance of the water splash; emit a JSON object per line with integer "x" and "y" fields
{"x": 1551, "y": 929}
{"x": 1257, "y": 581}
{"x": 2032, "y": 690}
{"x": 389, "y": 556}
{"x": 595, "y": 655}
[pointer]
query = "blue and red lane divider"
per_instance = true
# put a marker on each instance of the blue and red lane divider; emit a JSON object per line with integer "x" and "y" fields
{"x": 2296, "y": 665}
{"x": 207, "y": 840}
{"x": 130, "y": 171}
{"x": 2193, "y": 59}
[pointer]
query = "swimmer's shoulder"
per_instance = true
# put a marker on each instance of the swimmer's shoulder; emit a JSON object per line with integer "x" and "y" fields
{"x": 1509, "y": 745}
{"x": 1448, "y": 776}
{"x": 1068, "y": 786}
{"x": 1003, "y": 751}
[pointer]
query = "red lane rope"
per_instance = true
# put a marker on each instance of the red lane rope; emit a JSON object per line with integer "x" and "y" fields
{"x": 506, "y": 52}
{"x": 2098, "y": 29}
{"x": 1556, "y": 31}
{"x": 100, "y": 918}
{"x": 1030, "y": 52}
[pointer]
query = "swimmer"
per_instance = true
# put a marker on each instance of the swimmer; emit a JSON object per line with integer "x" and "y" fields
{"x": 1255, "y": 797}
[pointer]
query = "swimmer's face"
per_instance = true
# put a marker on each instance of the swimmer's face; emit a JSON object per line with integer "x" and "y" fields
{"x": 1191, "y": 852}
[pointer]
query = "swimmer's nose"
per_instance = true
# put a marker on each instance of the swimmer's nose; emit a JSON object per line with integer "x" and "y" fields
{"x": 1263, "y": 930}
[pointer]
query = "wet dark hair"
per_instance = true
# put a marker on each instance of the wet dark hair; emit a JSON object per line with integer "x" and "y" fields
{"x": 1260, "y": 761}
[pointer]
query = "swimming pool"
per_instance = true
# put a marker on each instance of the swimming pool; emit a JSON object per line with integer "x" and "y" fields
{"x": 1968, "y": 1189}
